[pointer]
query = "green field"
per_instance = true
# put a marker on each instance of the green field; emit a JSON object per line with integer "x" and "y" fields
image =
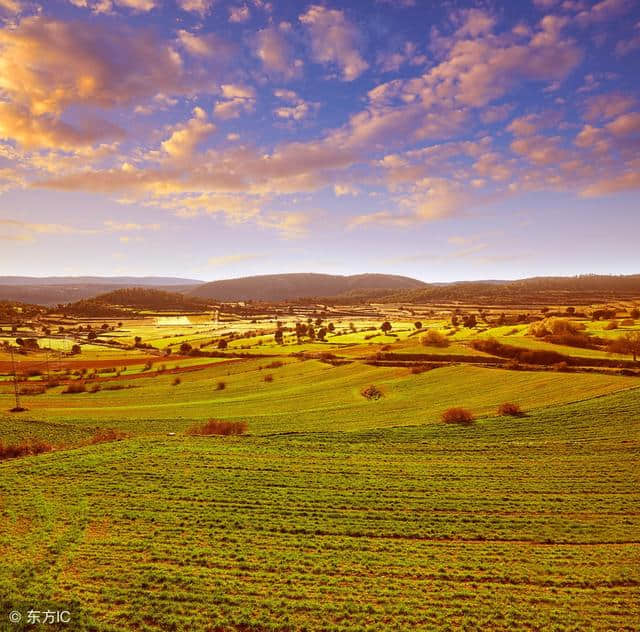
{"x": 334, "y": 512}
{"x": 529, "y": 523}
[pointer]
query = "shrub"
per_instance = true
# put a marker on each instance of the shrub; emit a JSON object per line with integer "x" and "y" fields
{"x": 24, "y": 448}
{"x": 434, "y": 338}
{"x": 553, "y": 327}
{"x": 75, "y": 387}
{"x": 457, "y": 416}
{"x": 268, "y": 377}
{"x": 371, "y": 392}
{"x": 176, "y": 381}
{"x": 109, "y": 434}
{"x": 219, "y": 427}
{"x": 276, "y": 364}
{"x": 221, "y": 386}
{"x": 510, "y": 409}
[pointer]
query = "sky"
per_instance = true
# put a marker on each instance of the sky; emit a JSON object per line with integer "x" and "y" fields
{"x": 208, "y": 139}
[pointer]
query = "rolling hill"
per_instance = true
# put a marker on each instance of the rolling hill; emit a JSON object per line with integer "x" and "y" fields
{"x": 59, "y": 290}
{"x": 278, "y": 287}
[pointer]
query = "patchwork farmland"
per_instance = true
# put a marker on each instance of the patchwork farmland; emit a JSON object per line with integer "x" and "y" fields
{"x": 347, "y": 503}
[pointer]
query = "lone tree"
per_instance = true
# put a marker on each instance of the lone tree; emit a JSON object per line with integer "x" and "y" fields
{"x": 386, "y": 326}
{"x": 629, "y": 343}
{"x": 417, "y": 324}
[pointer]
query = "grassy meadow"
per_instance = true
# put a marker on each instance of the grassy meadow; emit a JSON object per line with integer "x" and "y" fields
{"x": 334, "y": 511}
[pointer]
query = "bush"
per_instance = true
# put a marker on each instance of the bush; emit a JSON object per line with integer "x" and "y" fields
{"x": 268, "y": 377}
{"x": 553, "y": 327}
{"x": 176, "y": 381}
{"x": 510, "y": 409}
{"x": 221, "y": 386}
{"x": 434, "y": 338}
{"x": 457, "y": 416}
{"x": 103, "y": 435}
{"x": 75, "y": 387}
{"x": 371, "y": 392}
{"x": 276, "y": 364}
{"x": 25, "y": 448}
{"x": 219, "y": 427}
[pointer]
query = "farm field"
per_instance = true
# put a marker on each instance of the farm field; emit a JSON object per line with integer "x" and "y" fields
{"x": 359, "y": 530}
{"x": 335, "y": 510}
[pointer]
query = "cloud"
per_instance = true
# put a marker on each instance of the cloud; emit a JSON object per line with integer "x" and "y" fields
{"x": 393, "y": 61}
{"x": 239, "y": 14}
{"x": 628, "y": 181}
{"x": 225, "y": 260}
{"x": 48, "y": 66}
{"x": 209, "y": 45}
{"x": 625, "y": 124}
{"x": 334, "y": 40}
{"x": 430, "y": 199}
{"x": 608, "y": 105}
{"x": 26, "y": 231}
{"x": 107, "y": 6}
{"x": 186, "y": 137}
{"x": 126, "y": 227}
{"x": 290, "y": 225}
{"x": 297, "y": 110}
{"x": 237, "y": 99}
{"x": 201, "y": 7}
{"x": 604, "y": 11}
{"x": 272, "y": 48}
{"x": 10, "y": 6}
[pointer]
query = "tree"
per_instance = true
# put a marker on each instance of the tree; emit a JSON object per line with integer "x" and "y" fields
{"x": 222, "y": 343}
{"x": 417, "y": 324}
{"x": 185, "y": 348}
{"x": 470, "y": 321}
{"x": 137, "y": 341}
{"x": 322, "y": 332}
{"x": 279, "y": 336}
{"x": 454, "y": 320}
{"x": 92, "y": 335}
{"x": 331, "y": 327}
{"x": 311, "y": 332}
{"x": 76, "y": 349}
{"x": 386, "y": 326}
{"x": 629, "y": 343}
{"x": 635, "y": 313}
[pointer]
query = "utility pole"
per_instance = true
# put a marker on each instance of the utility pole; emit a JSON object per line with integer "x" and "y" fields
{"x": 46, "y": 355}
{"x": 16, "y": 390}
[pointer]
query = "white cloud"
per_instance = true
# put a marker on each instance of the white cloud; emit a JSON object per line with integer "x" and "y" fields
{"x": 334, "y": 40}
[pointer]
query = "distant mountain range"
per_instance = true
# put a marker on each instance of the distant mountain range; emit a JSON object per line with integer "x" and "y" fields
{"x": 278, "y": 287}
{"x": 55, "y": 290}
{"x": 150, "y": 281}
{"x": 349, "y": 289}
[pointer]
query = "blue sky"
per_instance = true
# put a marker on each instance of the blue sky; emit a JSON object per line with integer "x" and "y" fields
{"x": 213, "y": 139}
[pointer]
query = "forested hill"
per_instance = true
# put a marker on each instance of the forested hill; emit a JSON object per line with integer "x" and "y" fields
{"x": 278, "y": 287}
{"x": 537, "y": 289}
{"x": 137, "y": 298}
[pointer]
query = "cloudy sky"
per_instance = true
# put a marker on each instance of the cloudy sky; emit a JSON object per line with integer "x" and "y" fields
{"x": 210, "y": 139}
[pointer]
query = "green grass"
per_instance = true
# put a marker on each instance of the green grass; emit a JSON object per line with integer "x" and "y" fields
{"x": 310, "y": 396}
{"x": 334, "y": 512}
{"x": 510, "y": 524}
